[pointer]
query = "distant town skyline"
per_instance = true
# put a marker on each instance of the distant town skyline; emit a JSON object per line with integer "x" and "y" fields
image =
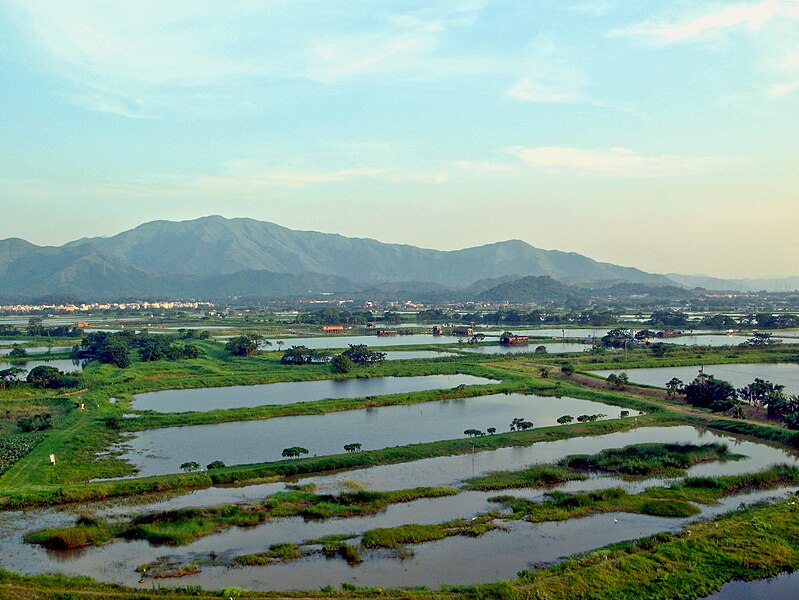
{"x": 649, "y": 134}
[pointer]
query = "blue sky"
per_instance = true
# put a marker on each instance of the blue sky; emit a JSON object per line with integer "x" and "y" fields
{"x": 663, "y": 135}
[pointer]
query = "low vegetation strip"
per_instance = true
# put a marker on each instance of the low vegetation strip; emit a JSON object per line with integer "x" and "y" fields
{"x": 647, "y": 460}
{"x": 412, "y": 533}
{"x": 750, "y": 544}
{"x": 15, "y": 447}
{"x": 634, "y": 461}
{"x": 82, "y": 492}
{"x": 672, "y": 501}
{"x": 535, "y": 476}
{"x": 183, "y": 526}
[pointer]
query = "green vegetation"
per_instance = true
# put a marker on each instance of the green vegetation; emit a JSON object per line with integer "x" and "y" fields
{"x": 648, "y": 460}
{"x": 14, "y": 448}
{"x": 182, "y": 526}
{"x": 535, "y": 476}
{"x": 412, "y": 533}
{"x": 673, "y": 501}
{"x": 560, "y": 506}
{"x": 283, "y": 552}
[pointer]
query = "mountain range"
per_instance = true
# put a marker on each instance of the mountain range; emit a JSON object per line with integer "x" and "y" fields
{"x": 218, "y": 257}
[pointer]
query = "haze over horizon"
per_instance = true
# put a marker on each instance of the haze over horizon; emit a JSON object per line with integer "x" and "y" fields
{"x": 659, "y": 137}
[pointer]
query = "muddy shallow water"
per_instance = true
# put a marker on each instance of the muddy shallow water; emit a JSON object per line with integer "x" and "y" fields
{"x": 241, "y": 396}
{"x": 501, "y": 553}
{"x": 738, "y": 375}
{"x": 160, "y": 451}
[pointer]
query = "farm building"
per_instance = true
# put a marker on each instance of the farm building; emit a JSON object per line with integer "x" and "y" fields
{"x": 508, "y": 339}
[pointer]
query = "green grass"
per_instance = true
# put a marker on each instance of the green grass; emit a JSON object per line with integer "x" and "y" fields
{"x": 413, "y": 533}
{"x": 283, "y": 552}
{"x": 183, "y": 526}
{"x": 649, "y": 460}
{"x": 535, "y": 476}
{"x": 672, "y": 501}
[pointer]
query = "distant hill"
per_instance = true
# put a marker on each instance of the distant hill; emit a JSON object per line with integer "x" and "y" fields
{"x": 540, "y": 290}
{"x": 215, "y": 257}
{"x": 784, "y": 284}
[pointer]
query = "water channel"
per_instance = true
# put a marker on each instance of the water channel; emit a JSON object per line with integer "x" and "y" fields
{"x": 239, "y": 396}
{"x": 161, "y": 451}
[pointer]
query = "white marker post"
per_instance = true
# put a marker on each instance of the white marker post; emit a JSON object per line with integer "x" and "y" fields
{"x": 52, "y": 459}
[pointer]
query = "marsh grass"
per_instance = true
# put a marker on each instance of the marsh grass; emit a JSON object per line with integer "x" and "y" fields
{"x": 183, "y": 526}
{"x": 534, "y": 476}
{"x": 414, "y": 533}
{"x": 647, "y": 460}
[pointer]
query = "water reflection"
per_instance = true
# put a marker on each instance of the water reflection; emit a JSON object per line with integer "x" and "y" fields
{"x": 173, "y": 401}
{"x": 738, "y": 375}
{"x": 160, "y": 451}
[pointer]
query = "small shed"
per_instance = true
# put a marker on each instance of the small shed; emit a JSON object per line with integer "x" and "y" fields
{"x": 508, "y": 339}
{"x": 332, "y": 328}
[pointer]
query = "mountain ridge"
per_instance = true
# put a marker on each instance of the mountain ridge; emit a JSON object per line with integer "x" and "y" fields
{"x": 204, "y": 256}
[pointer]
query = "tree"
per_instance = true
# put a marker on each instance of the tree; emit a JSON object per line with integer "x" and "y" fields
{"x": 519, "y": 424}
{"x": 674, "y": 386}
{"x": 624, "y": 413}
{"x": 708, "y": 392}
{"x": 617, "y": 382}
{"x": 491, "y": 430}
{"x": 341, "y": 364}
{"x": 300, "y": 355}
{"x": 43, "y": 376}
{"x": 17, "y": 351}
{"x": 540, "y": 349}
{"x": 36, "y": 327}
{"x": 759, "y": 340}
{"x": 759, "y": 392}
{"x": 668, "y": 318}
{"x": 565, "y": 419}
{"x": 659, "y": 349}
{"x": 356, "y": 447}
{"x": 38, "y": 422}
{"x": 362, "y": 356}
{"x": 217, "y": 464}
{"x": 192, "y": 465}
{"x": 10, "y": 376}
{"x": 294, "y": 452}
{"x": 115, "y": 352}
{"x": 619, "y": 338}
{"x": 473, "y": 432}
{"x": 243, "y": 345}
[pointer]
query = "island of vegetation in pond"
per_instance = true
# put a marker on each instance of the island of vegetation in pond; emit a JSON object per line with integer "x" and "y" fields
{"x": 634, "y": 461}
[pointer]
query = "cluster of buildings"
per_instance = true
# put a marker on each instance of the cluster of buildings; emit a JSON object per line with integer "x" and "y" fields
{"x": 73, "y": 308}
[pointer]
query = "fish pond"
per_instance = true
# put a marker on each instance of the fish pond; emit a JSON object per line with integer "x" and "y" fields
{"x": 161, "y": 451}
{"x": 502, "y": 553}
{"x": 738, "y": 375}
{"x": 240, "y": 396}
{"x": 342, "y": 341}
{"x": 782, "y": 587}
{"x": 551, "y": 348}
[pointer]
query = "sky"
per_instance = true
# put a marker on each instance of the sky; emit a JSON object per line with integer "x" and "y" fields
{"x": 661, "y": 135}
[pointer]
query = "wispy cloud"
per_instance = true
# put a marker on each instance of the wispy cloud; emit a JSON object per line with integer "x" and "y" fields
{"x": 615, "y": 162}
{"x": 706, "y": 22}
{"x": 550, "y": 77}
{"x": 150, "y": 59}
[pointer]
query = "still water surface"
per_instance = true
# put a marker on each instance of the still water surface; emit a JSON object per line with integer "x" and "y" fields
{"x": 160, "y": 451}
{"x": 502, "y": 553}
{"x": 203, "y": 399}
{"x": 738, "y": 375}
